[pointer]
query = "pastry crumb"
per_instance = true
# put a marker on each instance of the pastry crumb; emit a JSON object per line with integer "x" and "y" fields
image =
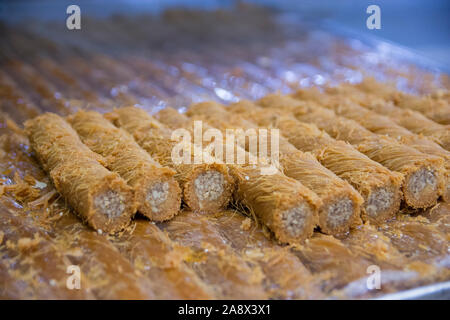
{"x": 24, "y": 244}
{"x": 246, "y": 224}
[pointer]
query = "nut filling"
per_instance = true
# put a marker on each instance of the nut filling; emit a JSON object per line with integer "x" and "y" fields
{"x": 420, "y": 180}
{"x": 110, "y": 204}
{"x": 379, "y": 201}
{"x": 294, "y": 220}
{"x": 339, "y": 212}
{"x": 209, "y": 185}
{"x": 157, "y": 195}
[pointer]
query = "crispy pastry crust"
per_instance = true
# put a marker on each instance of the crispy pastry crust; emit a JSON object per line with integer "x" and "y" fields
{"x": 340, "y": 208}
{"x": 206, "y": 187}
{"x": 157, "y": 193}
{"x": 383, "y": 125}
{"x": 380, "y": 187}
{"x": 423, "y": 174}
{"x": 280, "y": 203}
{"x": 433, "y": 107}
{"x": 100, "y": 197}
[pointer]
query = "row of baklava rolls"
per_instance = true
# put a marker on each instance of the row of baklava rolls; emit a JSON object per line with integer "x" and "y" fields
{"x": 340, "y": 162}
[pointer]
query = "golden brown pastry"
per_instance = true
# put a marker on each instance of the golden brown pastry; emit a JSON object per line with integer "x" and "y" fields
{"x": 99, "y": 196}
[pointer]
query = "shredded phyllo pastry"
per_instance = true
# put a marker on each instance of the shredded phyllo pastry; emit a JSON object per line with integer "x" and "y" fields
{"x": 206, "y": 187}
{"x": 157, "y": 193}
{"x": 99, "y": 196}
{"x": 93, "y": 195}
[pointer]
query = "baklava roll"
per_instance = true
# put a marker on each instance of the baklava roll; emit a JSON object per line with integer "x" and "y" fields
{"x": 422, "y": 173}
{"x": 383, "y": 125}
{"x": 413, "y": 121}
{"x": 437, "y": 110}
{"x": 283, "y": 205}
{"x": 100, "y": 197}
{"x": 341, "y": 203}
{"x": 70, "y": 241}
{"x": 433, "y": 107}
{"x": 158, "y": 194}
{"x": 380, "y": 187}
{"x": 409, "y": 119}
{"x": 206, "y": 187}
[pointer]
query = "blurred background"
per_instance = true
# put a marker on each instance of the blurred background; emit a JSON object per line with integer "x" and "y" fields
{"x": 420, "y": 25}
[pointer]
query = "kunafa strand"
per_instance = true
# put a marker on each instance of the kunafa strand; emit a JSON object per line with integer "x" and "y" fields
{"x": 422, "y": 173}
{"x": 385, "y": 126}
{"x": 158, "y": 195}
{"x": 341, "y": 203}
{"x": 206, "y": 187}
{"x": 380, "y": 187}
{"x": 282, "y": 204}
{"x": 100, "y": 197}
